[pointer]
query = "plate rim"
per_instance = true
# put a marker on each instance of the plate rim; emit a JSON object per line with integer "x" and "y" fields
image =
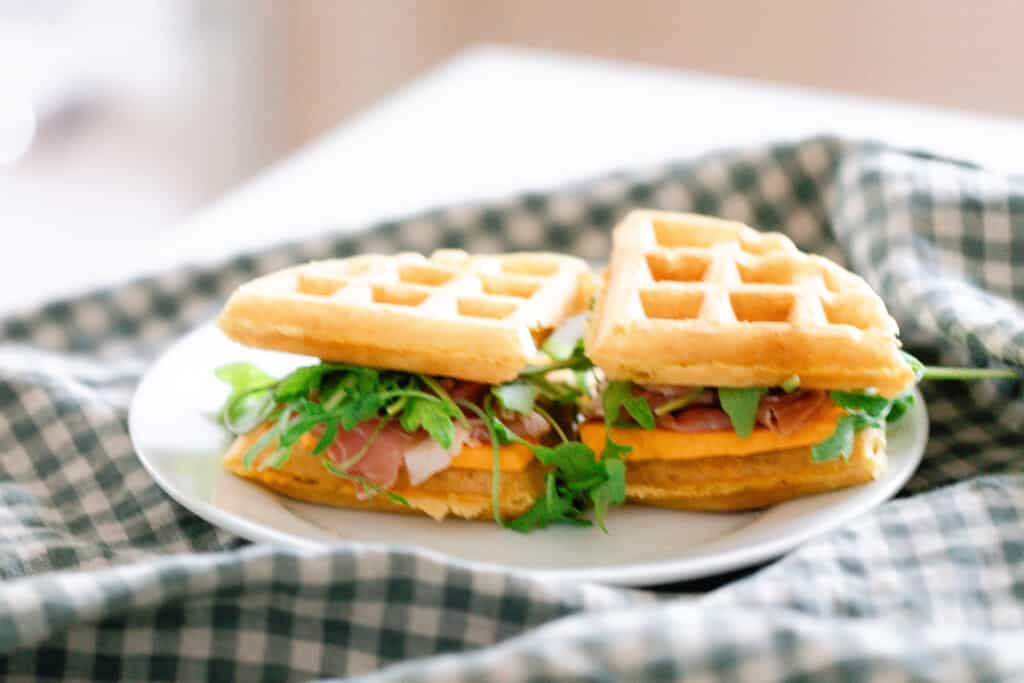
{"x": 635, "y": 575}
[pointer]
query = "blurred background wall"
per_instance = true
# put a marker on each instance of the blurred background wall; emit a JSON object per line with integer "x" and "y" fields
{"x": 121, "y": 116}
{"x": 966, "y": 55}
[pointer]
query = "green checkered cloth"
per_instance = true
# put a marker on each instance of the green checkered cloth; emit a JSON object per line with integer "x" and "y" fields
{"x": 106, "y": 578}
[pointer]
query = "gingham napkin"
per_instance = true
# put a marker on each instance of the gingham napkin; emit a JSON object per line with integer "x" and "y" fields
{"x": 105, "y": 578}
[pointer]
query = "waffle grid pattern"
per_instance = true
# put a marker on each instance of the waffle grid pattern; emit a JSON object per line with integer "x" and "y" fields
{"x": 724, "y": 273}
{"x": 473, "y": 317}
{"x": 689, "y": 294}
{"x": 448, "y": 285}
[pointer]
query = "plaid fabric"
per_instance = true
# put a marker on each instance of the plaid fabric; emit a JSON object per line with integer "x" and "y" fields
{"x": 105, "y": 578}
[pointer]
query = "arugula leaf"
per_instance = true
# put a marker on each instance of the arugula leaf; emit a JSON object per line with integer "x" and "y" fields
{"x": 250, "y": 401}
{"x": 611, "y": 492}
{"x": 839, "y": 444}
{"x": 445, "y": 399}
{"x": 574, "y": 459}
{"x": 577, "y": 360}
{"x": 614, "y": 394}
{"x": 360, "y": 409}
{"x": 327, "y": 438}
{"x": 614, "y": 450}
{"x": 555, "y": 507}
{"x": 868, "y": 404}
{"x": 518, "y": 397}
{"x": 243, "y": 377}
{"x": 297, "y": 382}
{"x": 638, "y": 409}
{"x": 900, "y": 405}
{"x": 740, "y": 404}
{"x": 248, "y": 411}
{"x": 618, "y": 394}
{"x": 434, "y": 418}
{"x": 577, "y": 481}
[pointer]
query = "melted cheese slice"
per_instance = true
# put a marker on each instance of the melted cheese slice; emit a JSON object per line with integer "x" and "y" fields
{"x": 662, "y": 444}
{"x": 514, "y": 458}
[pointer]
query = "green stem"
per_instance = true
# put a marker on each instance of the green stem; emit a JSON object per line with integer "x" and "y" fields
{"x": 365, "y": 448}
{"x": 364, "y": 482}
{"x": 551, "y": 421}
{"x": 336, "y": 397}
{"x": 411, "y": 393}
{"x": 496, "y": 461}
{"x": 444, "y": 396}
{"x": 567, "y": 364}
{"x": 268, "y": 436}
{"x": 944, "y": 373}
{"x": 681, "y": 402}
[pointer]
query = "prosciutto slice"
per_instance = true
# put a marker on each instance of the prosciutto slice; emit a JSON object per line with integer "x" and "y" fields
{"x": 463, "y": 389}
{"x": 422, "y": 456}
{"x": 785, "y": 414}
{"x": 695, "y": 419}
{"x": 381, "y": 462}
{"x": 529, "y": 426}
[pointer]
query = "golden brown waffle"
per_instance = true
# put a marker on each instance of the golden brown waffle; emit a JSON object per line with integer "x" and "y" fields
{"x": 748, "y": 482}
{"x": 694, "y": 300}
{"x": 477, "y": 318}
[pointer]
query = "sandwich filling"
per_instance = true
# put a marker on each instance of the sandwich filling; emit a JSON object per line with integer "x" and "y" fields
{"x": 776, "y": 417}
{"x": 697, "y": 409}
{"x": 378, "y": 448}
{"x": 367, "y": 424}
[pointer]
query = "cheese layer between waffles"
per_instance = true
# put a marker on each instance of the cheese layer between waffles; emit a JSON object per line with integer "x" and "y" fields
{"x": 476, "y": 318}
{"x": 729, "y": 482}
{"x": 694, "y": 300}
{"x": 461, "y": 490}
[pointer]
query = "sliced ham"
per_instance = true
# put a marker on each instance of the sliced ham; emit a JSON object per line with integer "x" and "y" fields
{"x": 531, "y": 426}
{"x": 463, "y": 390}
{"x": 786, "y": 413}
{"x": 781, "y": 413}
{"x": 657, "y": 395}
{"x": 381, "y": 462}
{"x": 695, "y": 419}
{"x": 422, "y": 456}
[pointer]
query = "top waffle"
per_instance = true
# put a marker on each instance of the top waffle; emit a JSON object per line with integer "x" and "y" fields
{"x": 476, "y": 318}
{"x": 694, "y": 300}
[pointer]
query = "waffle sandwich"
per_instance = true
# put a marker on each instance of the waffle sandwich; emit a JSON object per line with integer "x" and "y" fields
{"x": 396, "y": 414}
{"x": 766, "y": 373}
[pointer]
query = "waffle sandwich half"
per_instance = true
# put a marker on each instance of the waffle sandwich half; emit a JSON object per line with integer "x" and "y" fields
{"x": 767, "y": 372}
{"x": 393, "y": 417}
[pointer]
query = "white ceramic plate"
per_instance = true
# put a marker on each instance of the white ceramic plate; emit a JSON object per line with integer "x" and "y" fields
{"x": 180, "y": 444}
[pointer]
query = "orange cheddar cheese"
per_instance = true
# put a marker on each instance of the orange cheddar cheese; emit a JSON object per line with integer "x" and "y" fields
{"x": 662, "y": 444}
{"x": 514, "y": 458}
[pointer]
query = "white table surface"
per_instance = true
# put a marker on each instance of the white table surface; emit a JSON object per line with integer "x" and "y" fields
{"x": 495, "y": 120}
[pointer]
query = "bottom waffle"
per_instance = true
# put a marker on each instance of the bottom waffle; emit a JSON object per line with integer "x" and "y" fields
{"x": 748, "y": 482}
{"x": 459, "y": 492}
